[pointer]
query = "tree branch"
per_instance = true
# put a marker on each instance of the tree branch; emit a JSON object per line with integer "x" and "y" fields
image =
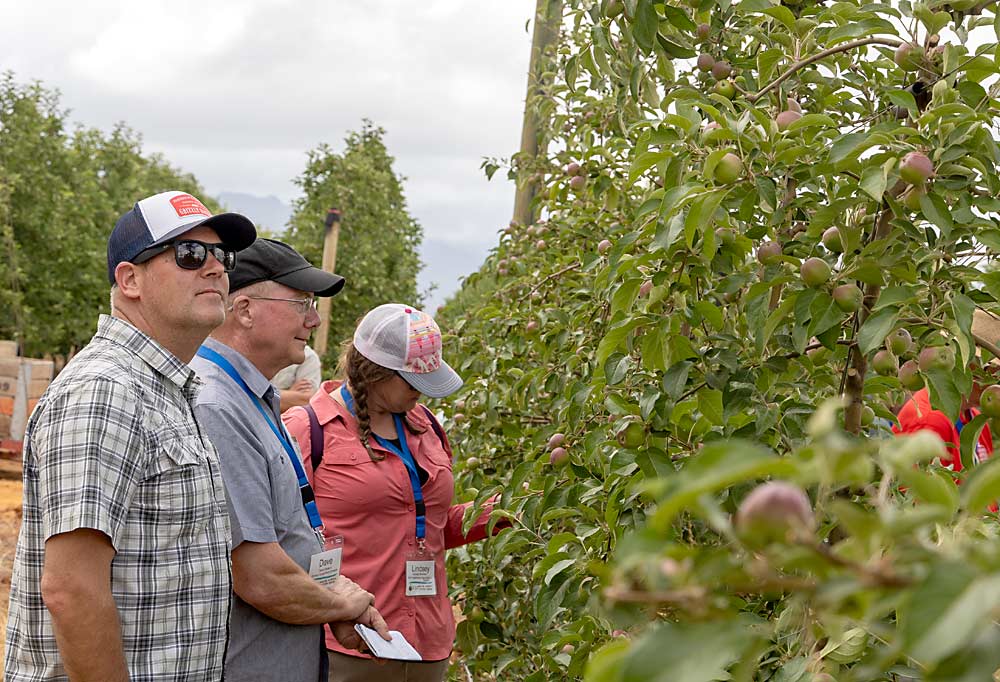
{"x": 857, "y": 363}
{"x": 572, "y": 266}
{"x": 891, "y": 42}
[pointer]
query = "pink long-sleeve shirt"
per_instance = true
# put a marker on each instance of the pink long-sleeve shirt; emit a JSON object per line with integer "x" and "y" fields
{"x": 371, "y": 505}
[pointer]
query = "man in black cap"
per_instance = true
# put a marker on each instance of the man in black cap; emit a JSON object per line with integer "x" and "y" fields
{"x": 284, "y": 588}
{"x": 122, "y": 564}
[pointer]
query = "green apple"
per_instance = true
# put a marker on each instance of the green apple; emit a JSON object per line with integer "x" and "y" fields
{"x": 848, "y": 297}
{"x": 899, "y": 341}
{"x": 936, "y": 357}
{"x": 632, "y": 435}
{"x": 815, "y": 272}
{"x": 909, "y": 376}
{"x": 885, "y": 363}
{"x": 833, "y": 240}
{"x": 989, "y": 401}
{"x": 725, "y": 88}
{"x": 729, "y": 169}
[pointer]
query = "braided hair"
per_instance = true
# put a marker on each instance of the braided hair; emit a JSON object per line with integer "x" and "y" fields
{"x": 361, "y": 373}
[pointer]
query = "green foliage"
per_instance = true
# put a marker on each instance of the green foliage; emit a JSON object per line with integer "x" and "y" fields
{"x": 60, "y": 195}
{"x": 378, "y": 246}
{"x": 730, "y": 365}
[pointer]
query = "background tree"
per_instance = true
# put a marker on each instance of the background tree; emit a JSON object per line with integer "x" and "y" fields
{"x": 60, "y": 195}
{"x": 746, "y": 202}
{"x": 379, "y": 240}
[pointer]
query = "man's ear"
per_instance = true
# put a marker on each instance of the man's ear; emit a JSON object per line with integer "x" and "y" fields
{"x": 241, "y": 311}
{"x": 129, "y": 277}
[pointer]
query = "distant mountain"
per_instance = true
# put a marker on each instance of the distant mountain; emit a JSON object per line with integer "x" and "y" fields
{"x": 445, "y": 264}
{"x": 269, "y": 212}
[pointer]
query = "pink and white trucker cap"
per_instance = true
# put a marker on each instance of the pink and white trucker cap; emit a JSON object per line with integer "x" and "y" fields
{"x": 165, "y": 216}
{"x": 400, "y": 337}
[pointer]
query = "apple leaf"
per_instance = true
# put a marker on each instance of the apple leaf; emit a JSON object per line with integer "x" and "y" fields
{"x": 645, "y": 24}
{"x": 876, "y": 328}
{"x": 944, "y": 394}
{"x": 936, "y": 210}
{"x": 969, "y": 438}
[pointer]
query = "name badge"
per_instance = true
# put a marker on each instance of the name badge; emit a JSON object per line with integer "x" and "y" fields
{"x": 324, "y": 567}
{"x": 420, "y": 580}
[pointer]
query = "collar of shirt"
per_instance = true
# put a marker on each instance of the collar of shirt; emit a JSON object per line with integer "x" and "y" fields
{"x": 327, "y": 409}
{"x": 121, "y": 332}
{"x": 257, "y": 382}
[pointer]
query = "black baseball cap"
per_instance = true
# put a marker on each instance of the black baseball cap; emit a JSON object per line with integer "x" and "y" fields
{"x": 269, "y": 259}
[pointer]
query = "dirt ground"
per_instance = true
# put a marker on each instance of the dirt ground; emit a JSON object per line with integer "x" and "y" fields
{"x": 10, "y": 522}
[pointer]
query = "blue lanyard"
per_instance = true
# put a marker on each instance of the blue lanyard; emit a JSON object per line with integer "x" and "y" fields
{"x": 960, "y": 424}
{"x": 308, "y": 499}
{"x": 403, "y": 452}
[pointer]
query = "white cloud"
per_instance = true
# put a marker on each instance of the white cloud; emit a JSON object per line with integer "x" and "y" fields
{"x": 236, "y": 92}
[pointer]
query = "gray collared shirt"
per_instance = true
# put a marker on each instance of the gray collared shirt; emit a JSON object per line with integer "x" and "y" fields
{"x": 113, "y": 445}
{"x": 264, "y": 506}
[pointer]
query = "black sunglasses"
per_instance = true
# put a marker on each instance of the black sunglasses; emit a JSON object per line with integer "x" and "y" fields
{"x": 191, "y": 254}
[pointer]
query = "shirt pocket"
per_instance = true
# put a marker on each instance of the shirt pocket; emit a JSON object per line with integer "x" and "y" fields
{"x": 286, "y": 496}
{"x": 177, "y": 495}
{"x": 347, "y": 475}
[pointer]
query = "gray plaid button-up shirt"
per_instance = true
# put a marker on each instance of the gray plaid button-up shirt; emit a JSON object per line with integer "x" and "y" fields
{"x": 113, "y": 445}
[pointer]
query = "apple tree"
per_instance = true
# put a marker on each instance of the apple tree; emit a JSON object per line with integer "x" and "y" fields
{"x": 379, "y": 243}
{"x": 762, "y": 225}
{"x": 61, "y": 190}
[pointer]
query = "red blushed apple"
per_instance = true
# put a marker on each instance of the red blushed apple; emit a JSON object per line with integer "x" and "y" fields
{"x": 815, "y": 272}
{"x": 915, "y": 168}
{"x": 768, "y": 253}
{"x": 776, "y": 511}
{"x": 786, "y": 118}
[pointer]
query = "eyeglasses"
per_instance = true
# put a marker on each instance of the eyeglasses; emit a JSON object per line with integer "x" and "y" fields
{"x": 303, "y": 304}
{"x": 191, "y": 254}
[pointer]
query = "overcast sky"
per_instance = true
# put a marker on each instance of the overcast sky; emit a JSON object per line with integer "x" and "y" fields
{"x": 236, "y": 92}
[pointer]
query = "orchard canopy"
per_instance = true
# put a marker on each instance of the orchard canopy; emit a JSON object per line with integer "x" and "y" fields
{"x": 744, "y": 210}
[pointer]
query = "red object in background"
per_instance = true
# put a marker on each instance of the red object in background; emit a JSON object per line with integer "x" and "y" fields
{"x": 918, "y": 415}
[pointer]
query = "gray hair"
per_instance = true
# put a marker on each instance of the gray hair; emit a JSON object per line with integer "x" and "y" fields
{"x": 255, "y": 289}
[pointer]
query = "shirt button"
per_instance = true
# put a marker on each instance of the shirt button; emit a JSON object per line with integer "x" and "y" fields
{"x": 409, "y": 542}
{"x": 353, "y": 457}
{"x": 409, "y": 507}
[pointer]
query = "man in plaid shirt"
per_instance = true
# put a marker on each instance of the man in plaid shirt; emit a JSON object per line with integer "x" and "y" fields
{"x": 122, "y": 565}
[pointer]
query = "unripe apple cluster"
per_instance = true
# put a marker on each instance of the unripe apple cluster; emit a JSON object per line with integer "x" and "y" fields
{"x": 557, "y": 453}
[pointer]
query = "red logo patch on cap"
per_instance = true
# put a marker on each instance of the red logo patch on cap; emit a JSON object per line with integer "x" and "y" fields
{"x": 186, "y": 205}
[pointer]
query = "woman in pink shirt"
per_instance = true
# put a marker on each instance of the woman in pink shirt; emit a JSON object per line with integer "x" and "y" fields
{"x": 384, "y": 483}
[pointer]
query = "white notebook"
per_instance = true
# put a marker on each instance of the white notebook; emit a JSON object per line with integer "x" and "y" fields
{"x": 398, "y": 649}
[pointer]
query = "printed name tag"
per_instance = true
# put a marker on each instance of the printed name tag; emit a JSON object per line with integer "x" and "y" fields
{"x": 324, "y": 567}
{"x": 420, "y": 578}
